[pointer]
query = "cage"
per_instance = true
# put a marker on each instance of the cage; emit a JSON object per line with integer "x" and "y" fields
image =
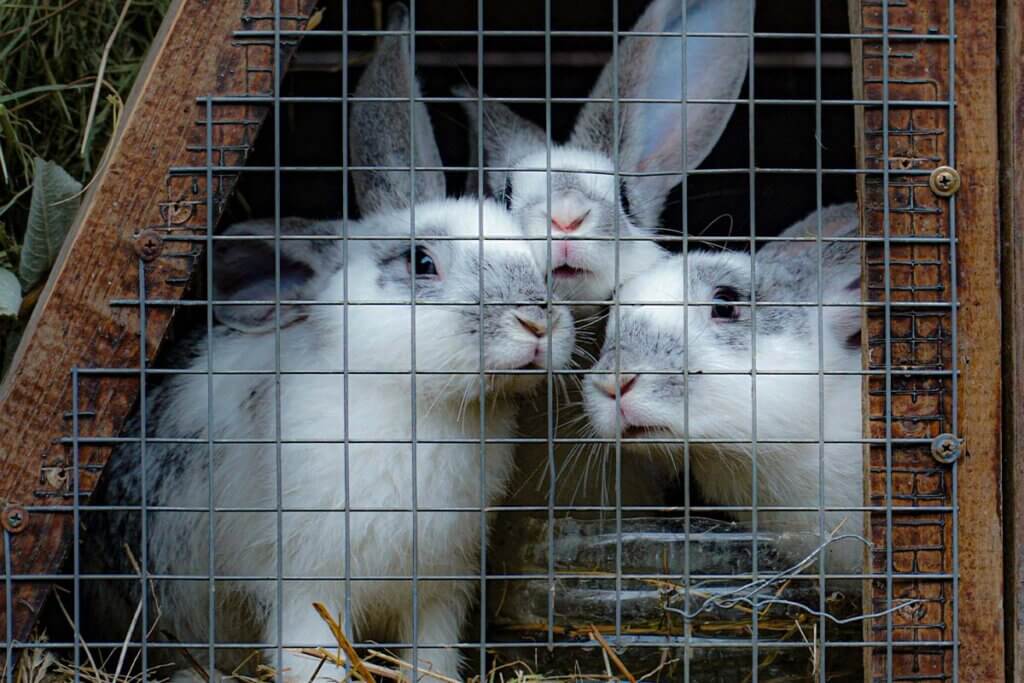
{"x": 793, "y": 208}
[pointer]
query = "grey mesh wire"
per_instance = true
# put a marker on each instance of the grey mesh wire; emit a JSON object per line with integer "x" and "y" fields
{"x": 687, "y": 642}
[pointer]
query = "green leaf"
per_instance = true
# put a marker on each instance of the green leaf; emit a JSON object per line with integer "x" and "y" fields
{"x": 10, "y": 298}
{"x": 54, "y": 204}
{"x": 41, "y": 89}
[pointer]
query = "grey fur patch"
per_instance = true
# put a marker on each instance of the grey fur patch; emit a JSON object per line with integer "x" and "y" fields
{"x": 248, "y": 269}
{"x": 507, "y": 280}
{"x": 380, "y": 131}
{"x": 507, "y": 137}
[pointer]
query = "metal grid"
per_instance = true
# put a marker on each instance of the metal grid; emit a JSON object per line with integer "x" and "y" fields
{"x": 910, "y": 308}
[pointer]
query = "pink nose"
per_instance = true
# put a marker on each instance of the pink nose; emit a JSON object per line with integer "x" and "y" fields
{"x": 568, "y": 226}
{"x": 607, "y": 385}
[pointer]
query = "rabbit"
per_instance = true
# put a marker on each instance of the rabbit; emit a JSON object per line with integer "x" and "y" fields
{"x": 704, "y": 353}
{"x": 346, "y": 508}
{"x": 587, "y": 208}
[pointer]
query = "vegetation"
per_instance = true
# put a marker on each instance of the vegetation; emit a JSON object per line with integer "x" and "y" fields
{"x": 66, "y": 67}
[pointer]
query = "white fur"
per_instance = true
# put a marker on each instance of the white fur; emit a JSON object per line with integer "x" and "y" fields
{"x": 379, "y": 478}
{"x": 722, "y": 406}
{"x": 615, "y": 240}
{"x": 594, "y": 259}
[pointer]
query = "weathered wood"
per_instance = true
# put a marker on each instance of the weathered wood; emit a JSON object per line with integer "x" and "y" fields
{"x": 76, "y": 325}
{"x": 906, "y": 477}
{"x": 981, "y": 629}
{"x": 856, "y": 18}
{"x": 1011, "y": 153}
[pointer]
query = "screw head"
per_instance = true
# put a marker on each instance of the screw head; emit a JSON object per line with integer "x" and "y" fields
{"x": 944, "y": 181}
{"x": 946, "y": 448}
{"x": 148, "y": 245}
{"x": 14, "y": 519}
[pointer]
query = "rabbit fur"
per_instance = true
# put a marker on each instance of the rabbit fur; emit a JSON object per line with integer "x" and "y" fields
{"x": 345, "y": 509}
{"x": 707, "y": 349}
{"x": 590, "y": 204}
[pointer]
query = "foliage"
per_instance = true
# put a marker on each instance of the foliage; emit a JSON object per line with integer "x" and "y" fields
{"x": 51, "y": 57}
{"x": 55, "y": 200}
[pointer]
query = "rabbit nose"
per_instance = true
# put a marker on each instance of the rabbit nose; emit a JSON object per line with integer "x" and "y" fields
{"x": 533, "y": 319}
{"x": 566, "y": 225}
{"x": 607, "y": 384}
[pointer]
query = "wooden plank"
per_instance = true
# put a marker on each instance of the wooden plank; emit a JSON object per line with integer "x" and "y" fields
{"x": 921, "y": 339}
{"x": 981, "y": 629}
{"x": 912, "y": 543}
{"x": 76, "y": 325}
{"x": 855, "y": 12}
{"x": 1011, "y": 154}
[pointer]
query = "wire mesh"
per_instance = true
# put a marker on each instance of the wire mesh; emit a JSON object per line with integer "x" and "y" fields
{"x": 678, "y": 583}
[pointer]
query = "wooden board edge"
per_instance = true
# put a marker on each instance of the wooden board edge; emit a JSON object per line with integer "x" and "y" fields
{"x": 171, "y": 17}
{"x": 980, "y": 628}
{"x": 1010, "y": 44}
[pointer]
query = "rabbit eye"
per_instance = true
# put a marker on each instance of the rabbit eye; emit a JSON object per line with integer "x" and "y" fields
{"x": 507, "y": 194}
{"x": 422, "y": 263}
{"x": 725, "y": 311}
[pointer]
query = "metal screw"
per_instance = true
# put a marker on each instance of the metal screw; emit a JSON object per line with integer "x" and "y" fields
{"x": 14, "y": 518}
{"x": 148, "y": 245}
{"x": 944, "y": 181}
{"x": 946, "y": 448}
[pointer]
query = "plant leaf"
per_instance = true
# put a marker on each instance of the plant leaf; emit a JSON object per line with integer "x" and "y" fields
{"x": 10, "y": 298}
{"x": 53, "y": 208}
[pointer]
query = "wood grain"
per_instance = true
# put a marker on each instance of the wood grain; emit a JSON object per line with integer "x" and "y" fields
{"x": 980, "y": 474}
{"x": 76, "y": 324}
{"x": 904, "y": 477}
{"x": 922, "y": 407}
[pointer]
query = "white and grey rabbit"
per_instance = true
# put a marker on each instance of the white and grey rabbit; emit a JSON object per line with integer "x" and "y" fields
{"x": 687, "y": 373}
{"x": 587, "y": 208}
{"x": 313, "y": 508}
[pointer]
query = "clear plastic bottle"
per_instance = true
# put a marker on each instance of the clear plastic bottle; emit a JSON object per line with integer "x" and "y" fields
{"x": 663, "y": 612}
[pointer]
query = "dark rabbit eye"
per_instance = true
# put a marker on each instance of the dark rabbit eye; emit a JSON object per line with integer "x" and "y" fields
{"x": 725, "y": 311}
{"x": 507, "y": 195}
{"x": 422, "y": 263}
{"x": 624, "y": 197}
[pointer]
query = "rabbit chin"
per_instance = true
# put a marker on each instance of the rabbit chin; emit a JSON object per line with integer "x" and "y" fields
{"x": 518, "y": 384}
{"x": 589, "y": 274}
{"x": 657, "y": 419}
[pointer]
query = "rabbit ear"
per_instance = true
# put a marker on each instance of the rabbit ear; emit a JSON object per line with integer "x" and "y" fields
{"x": 840, "y": 220}
{"x": 508, "y": 137}
{"x": 651, "y": 67}
{"x": 840, "y": 265}
{"x": 379, "y": 132}
{"x": 244, "y": 270}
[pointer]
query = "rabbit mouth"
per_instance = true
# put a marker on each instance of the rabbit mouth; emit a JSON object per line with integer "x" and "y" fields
{"x": 651, "y": 431}
{"x": 567, "y": 272}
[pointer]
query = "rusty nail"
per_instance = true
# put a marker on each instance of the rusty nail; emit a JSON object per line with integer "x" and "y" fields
{"x": 946, "y": 448}
{"x": 14, "y": 519}
{"x": 148, "y": 245}
{"x": 944, "y": 181}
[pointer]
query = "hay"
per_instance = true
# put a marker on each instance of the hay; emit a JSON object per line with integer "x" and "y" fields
{"x": 51, "y": 61}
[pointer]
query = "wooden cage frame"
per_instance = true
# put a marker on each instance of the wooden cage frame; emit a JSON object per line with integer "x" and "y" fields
{"x": 136, "y": 210}
{"x": 135, "y": 223}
